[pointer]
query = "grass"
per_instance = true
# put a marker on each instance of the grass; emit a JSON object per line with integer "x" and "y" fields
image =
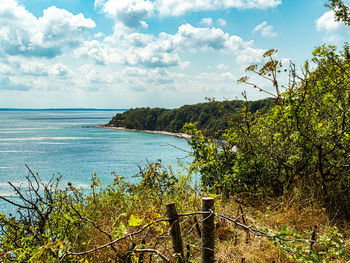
{"x": 113, "y": 212}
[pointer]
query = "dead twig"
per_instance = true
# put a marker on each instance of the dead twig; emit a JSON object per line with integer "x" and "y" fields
{"x": 116, "y": 240}
{"x": 148, "y": 250}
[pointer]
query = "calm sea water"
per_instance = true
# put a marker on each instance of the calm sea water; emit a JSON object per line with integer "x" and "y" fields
{"x": 63, "y": 142}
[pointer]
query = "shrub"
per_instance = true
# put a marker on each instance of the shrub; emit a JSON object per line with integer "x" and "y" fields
{"x": 304, "y": 140}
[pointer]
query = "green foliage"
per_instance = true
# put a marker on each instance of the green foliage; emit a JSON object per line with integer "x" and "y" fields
{"x": 79, "y": 222}
{"x": 51, "y": 221}
{"x": 210, "y": 117}
{"x": 158, "y": 179}
{"x": 45, "y": 225}
{"x": 324, "y": 248}
{"x": 341, "y": 10}
{"x": 303, "y": 141}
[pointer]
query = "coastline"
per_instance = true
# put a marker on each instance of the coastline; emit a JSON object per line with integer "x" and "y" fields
{"x": 179, "y": 135}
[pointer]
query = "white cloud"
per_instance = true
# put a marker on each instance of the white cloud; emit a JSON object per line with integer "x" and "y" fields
{"x": 130, "y": 13}
{"x": 99, "y": 35}
{"x": 206, "y": 21}
{"x": 28, "y": 67}
{"x": 139, "y": 79}
{"x": 21, "y": 33}
{"x": 97, "y": 51}
{"x": 228, "y": 76}
{"x": 7, "y": 83}
{"x": 133, "y": 13}
{"x": 265, "y": 30}
{"x": 62, "y": 27}
{"x": 59, "y": 70}
{"x": 211, "y": 39}
{"x": 99, "y": 3}
{"x": 250, "y": 55}
{"x": 32, "y": 68}
{"x": 134, "y": 72}
{"x": 180, "y": 7}
{"x": 153, "y": 56}
{"x": 149, "y": 51}
{"x": 137, "y": 49}
{"x": 202, "y": 38}
{"x": 94, "y": 74}
{"x": 327, "y": 22}
{"x": 222, "y": 22}
{"x": 146, "y": 57}
{"x": 5, "y": 68}
{"x": 335, "y": 31}
{"x": 222, "y": 67}
{"x": 124, "y": 67}
{"x": 131, "y": 49}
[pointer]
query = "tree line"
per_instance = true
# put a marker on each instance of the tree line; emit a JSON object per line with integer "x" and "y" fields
{"x": 210, "y": 117}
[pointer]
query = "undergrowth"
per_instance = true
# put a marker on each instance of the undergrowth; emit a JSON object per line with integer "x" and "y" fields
{"x": 297, "y": 229}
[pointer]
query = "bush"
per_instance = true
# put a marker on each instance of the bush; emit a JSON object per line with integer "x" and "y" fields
{"x": 52, "y": 222}
{"x": 303, "y": 141}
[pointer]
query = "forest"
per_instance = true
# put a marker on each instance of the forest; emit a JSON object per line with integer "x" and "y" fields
{"x": 210, "y": 117}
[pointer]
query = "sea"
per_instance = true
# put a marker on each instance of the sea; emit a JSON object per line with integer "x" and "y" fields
{"x": 66, "y": 143}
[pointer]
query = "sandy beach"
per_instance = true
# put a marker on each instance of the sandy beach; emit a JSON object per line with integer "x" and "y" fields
{"x": 179, "y": 135}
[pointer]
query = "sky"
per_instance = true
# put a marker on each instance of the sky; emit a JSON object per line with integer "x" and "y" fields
{"x": 150, "y": 53}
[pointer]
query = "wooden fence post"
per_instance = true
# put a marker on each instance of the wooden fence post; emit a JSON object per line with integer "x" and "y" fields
{"x": 313, "y": 238}
{"x": 141, "y": 256}
{"x": 175, "y": 232}
{"x": 208, "y": 230}
{"x": 197, "y": 227}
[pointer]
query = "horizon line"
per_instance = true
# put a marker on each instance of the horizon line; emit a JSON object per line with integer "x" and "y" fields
{"x": 38, "y": 109}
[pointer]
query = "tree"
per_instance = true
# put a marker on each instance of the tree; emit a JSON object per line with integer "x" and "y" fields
{"x": 341, "y": 10}
{"x": 302, "y": 142}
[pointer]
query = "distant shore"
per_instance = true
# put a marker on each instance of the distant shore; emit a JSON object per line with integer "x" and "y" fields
{"x": 175, "y": 134}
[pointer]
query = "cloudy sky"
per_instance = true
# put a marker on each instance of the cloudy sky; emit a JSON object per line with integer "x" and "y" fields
{"x": 132, "y": 53}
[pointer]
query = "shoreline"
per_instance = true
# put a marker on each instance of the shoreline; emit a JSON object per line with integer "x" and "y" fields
{"x": 175, "y": 134}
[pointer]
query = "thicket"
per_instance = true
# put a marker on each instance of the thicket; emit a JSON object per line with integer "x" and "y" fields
{"x": 302, "y": 142}
{"x": 208, "y": 117}
{"x": 55, "y": 223}
{"x": 126, "y": 222}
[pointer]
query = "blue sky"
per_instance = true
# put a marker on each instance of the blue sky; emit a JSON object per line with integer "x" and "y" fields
{"x": 133, "y": 53}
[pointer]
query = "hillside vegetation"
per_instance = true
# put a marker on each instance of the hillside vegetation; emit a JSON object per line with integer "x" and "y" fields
{"x": 303, "y": 141}
{"x": 280, "y": 179}
{"x": 209, "y": 117}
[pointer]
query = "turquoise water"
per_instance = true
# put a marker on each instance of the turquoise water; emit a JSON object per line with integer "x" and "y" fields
{"x": 53, "y": 142}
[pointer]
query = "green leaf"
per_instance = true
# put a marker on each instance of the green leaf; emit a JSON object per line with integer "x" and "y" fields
{"x": 134, "y": 220}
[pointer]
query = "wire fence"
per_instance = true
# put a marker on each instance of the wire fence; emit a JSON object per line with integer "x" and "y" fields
{"x": 205, "y": 228}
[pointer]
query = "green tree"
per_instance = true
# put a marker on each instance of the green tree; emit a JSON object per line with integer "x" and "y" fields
{"x": 304, "y": 141}
{"x": 341, "y": 10}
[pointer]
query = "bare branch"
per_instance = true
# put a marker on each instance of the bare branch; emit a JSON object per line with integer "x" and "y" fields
{"x": 15, "y": 204}
{"x": 148, "y": 250}
{"x": 116, "y": 240}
